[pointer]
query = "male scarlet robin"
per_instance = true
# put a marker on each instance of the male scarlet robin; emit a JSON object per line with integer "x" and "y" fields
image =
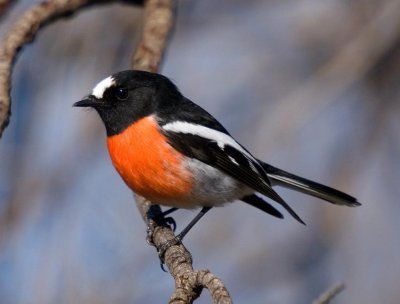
{"x": 174, "y": 153}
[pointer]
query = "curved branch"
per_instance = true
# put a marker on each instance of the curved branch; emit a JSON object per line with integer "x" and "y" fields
{"x": 24, "y": 32}
{"x": 188, "y": 282}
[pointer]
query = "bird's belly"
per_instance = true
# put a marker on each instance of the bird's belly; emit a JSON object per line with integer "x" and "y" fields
{"x": 212, "y": 187}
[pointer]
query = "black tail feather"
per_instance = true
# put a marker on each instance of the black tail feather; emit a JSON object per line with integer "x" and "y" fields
{"x": 282, "y": 178}
{"x": 259, "y": 203}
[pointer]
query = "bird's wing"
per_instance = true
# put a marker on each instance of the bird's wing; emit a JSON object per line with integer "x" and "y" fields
{"x": 220, "y": 150}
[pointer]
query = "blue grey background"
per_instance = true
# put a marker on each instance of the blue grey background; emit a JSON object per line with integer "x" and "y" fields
{"x": 275, "y": 73}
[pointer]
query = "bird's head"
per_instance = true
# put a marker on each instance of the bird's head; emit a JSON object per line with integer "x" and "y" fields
{"x": 125, "y": 97}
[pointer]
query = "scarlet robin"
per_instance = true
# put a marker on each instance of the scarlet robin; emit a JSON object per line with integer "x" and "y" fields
{"x": 174, "y": 153}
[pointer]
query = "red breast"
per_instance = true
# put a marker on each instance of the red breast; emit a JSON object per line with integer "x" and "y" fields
{"x": 148, "y": 164}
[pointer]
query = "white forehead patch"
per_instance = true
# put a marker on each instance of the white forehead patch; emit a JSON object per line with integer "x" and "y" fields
{"x": 102, "y": 86}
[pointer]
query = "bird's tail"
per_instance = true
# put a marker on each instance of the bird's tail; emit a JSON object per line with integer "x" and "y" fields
{"x": 285, "y": 179}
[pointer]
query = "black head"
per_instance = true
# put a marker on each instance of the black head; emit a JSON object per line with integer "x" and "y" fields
{"x": 127, "y": 96}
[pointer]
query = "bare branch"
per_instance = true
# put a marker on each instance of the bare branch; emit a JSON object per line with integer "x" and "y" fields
{"x": 22, "y": 33}
{"x": 4, "y": 5}
{"x": 158, "y": 25}
{"x": 328, "y": 295}
{"x": 188, "y": 282}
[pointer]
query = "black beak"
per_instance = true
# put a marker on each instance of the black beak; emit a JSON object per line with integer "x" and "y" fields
{"x": 90, "y": 101}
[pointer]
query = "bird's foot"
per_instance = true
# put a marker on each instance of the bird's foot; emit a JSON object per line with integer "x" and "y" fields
{"x": 160, "y": 221}
{"x": 157, "y": 221}
{"x": 157, "y": 218}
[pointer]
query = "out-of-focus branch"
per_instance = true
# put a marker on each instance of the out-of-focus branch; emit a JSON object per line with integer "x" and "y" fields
{"x": 23, "y": 32}
{"x": 158, "y": 25}
{"x": 4, "y": 5}
{"x": 350, "y": 64}
{"x": 331, "y": 293}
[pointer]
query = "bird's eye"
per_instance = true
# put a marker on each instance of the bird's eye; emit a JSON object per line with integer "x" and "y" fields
{"x": 121, "y": 93}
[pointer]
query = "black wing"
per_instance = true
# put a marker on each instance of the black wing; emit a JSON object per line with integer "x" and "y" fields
{"x": 228, "y": 159}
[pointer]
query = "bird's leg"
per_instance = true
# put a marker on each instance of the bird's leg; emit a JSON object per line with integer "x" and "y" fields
{"x": 182, "y": 234}
{"x": 177, "y": 239}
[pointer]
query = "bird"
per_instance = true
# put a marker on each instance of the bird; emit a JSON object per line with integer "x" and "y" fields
{"x": 174, "y": 153}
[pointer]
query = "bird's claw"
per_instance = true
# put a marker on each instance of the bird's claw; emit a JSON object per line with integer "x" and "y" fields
{"x": 170, "y": 222}
{"x": 161, "y": 221}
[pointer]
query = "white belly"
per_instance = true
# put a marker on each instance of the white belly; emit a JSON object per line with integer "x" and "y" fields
{"x": 213, "y": 187}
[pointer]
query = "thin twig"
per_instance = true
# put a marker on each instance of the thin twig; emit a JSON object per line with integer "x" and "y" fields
{"x": 328, "y": 295}
{"x": 22, "y": 33}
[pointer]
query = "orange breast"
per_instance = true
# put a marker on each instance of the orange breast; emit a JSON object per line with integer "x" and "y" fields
{"x": 148, "y": 164}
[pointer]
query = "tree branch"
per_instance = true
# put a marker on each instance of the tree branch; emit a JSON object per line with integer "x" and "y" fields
{"x": 157, "y": 27}
{"x": 331, "y": 293}
{"x": 24, "y": 32}
{"x": 188, "y": 282}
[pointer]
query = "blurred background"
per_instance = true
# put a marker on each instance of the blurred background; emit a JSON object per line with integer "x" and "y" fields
{"x": 307, "y": 85}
